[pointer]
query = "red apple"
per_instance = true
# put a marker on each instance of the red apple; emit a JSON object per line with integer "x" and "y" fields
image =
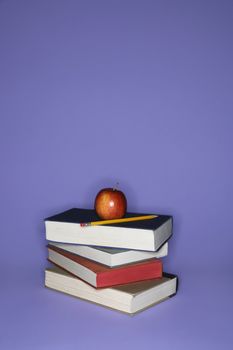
{"x": 110, "y": 203}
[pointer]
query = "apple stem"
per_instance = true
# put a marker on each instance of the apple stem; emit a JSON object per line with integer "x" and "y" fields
{"x": 115, "y": 188}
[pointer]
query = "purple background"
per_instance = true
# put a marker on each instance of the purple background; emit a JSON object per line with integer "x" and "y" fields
{"x": 94, "y": 92}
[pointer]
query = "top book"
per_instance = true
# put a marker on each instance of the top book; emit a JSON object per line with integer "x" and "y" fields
{"x": 148, "y": 235}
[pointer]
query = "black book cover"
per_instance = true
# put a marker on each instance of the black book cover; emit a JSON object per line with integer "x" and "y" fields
{"x": 77, "y": 215}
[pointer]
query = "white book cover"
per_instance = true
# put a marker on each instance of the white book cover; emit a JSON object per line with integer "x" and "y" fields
{"x": 130, "y": 298}
{"x": 111, "y": 256}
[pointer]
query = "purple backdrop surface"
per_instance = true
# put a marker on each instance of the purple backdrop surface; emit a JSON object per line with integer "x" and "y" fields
{"x": 140, "y": 92}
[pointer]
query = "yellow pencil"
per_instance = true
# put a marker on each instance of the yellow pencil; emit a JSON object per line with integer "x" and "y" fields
{"x": 118, "y": 221}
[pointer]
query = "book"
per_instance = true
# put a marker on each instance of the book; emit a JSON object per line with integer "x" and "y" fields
{"x": 130, "y": 298}
{"x": 148, "y": 235}
{"x": 99, "y": 275}
{"x": 111, "y": 256}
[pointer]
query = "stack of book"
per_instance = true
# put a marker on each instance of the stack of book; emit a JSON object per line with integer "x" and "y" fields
{"x": 118, "y": 266}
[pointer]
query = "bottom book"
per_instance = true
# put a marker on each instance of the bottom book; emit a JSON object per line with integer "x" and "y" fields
{"x": 129, "y": 298}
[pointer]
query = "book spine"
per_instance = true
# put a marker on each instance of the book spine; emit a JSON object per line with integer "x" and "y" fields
{"x": 131, "y": 274}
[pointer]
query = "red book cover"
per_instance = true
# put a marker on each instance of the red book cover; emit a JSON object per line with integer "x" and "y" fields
{"x": 106, "y": 276}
